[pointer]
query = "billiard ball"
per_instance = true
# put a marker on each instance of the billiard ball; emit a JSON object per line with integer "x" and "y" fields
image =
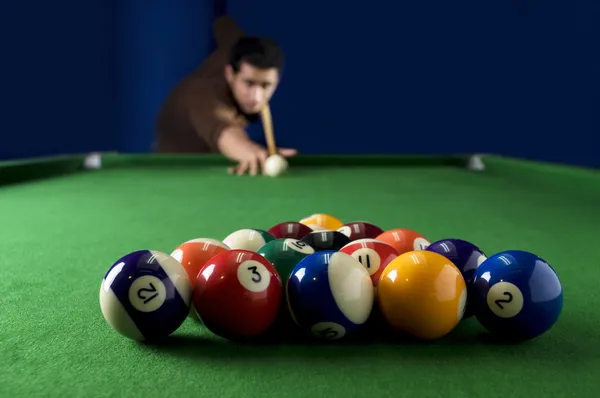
{"x": 374, "y": 255}
{"x": 285, "y": 254}
{"x": 516, "y": 295}
{"x": 329, "y": 294}
{"x": 326, "y": 240}
{"x": 193, "y": 254}
{"x": 289, "y": 229}
{"x": 275, "y": 165}
{"x": 466, "y": 256}
{"x": 360, "y": 230}
{"x": 145, "y": 295}
{"x": 422, "y": 294}
{"x": 316, "y": 228}
{"x": 238, "y": 295}
{"x": 404, "y": 240}
{"x": 322, "y": 221}
{"x": 248, "y": 239}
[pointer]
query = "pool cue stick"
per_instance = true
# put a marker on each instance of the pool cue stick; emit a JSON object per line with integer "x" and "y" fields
{"x": 267, "y": 121}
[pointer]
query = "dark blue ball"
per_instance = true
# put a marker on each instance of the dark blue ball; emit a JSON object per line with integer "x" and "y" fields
{"x": 330, "y": 294}
{"x": 516, "y": 295}
{"x": 466, "y": 256}
{"x": 145, "y": 295}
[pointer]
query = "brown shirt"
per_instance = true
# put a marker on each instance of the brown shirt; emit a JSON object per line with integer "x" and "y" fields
{"x": 201, "y": 105}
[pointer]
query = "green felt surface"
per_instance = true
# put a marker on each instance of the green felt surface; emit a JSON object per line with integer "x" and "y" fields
{"x": 61, "y": 235}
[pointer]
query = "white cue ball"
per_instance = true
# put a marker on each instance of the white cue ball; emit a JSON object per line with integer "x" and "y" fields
{"x": 275, "y": 165}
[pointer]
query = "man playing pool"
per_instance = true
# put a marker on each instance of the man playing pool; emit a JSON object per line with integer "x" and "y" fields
{"x": 209, "y": 110}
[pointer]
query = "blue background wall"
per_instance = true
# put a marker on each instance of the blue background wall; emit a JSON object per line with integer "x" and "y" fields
{"x": 57, "y": 77}
{"x": 432, "y": 76}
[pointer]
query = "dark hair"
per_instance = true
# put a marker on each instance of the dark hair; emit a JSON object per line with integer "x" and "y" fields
{"x": 259, "y": 52}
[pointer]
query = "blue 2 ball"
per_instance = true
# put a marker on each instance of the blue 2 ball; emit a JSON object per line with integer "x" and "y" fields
{"x": 516, "y": 295}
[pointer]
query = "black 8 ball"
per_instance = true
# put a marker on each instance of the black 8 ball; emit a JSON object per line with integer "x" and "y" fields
{"x": 326, "y": 240}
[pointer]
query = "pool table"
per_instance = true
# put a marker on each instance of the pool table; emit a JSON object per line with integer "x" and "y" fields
{"x": 64, "y": 225}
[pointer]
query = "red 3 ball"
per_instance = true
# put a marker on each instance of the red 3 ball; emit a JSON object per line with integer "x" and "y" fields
{"x": 374, "y": 255}
{"x": 238, "y": 294}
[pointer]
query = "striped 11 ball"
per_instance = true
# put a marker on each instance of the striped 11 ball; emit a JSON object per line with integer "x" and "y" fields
{"x": 238, "y": 294}
{"x": 145, "y": 295}
{"x": 517, "y": 295}
{"x": 374, "y": 255}
{"x": 330, "y": 294}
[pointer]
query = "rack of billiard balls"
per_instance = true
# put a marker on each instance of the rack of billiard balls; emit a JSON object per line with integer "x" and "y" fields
{"x": 327, "y": 279}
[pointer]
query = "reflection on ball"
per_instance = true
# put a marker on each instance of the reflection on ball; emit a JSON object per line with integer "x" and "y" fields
{"x": 516, "y": 295}
{"x": 145, "y": 295}
{"x": 330, "y": 294}
{"x": 275, "y": 165}
{"x": 422, "y": 294}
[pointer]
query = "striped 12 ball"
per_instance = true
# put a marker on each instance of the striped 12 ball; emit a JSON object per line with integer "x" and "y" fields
{"x": 238, "y": 294}
{"x": 248, "y": 239}
{"x": 330, "y": 294}
{"x": 374, "y": 255}
{"x": 145, "y": 295}
{"x": 517, "y": 295}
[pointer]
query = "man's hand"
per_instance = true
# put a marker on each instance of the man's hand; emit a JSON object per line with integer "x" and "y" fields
{"x": 235, "y": 144}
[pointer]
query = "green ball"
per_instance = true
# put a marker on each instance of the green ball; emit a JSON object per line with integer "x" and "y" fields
{"x": 250, "y": 239}
{"x": 285, "y": 254}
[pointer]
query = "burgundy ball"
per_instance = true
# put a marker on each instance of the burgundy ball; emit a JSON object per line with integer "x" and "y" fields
{"x": 360, "y": 230}
{"x": 290, "y": 229}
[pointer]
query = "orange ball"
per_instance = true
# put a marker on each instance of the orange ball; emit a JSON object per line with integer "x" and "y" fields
{"x": 322, "y": 221}
{"x": 422, "y": 294}
{"x": 194, "y": 253}
{"x": 404, "y": 240}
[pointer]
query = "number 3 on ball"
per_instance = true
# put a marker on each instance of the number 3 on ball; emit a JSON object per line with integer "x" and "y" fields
{"x": 253, "y": 276}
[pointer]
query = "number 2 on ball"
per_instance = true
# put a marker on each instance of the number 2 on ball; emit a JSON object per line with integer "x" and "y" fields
{"x": 505, "y": 301}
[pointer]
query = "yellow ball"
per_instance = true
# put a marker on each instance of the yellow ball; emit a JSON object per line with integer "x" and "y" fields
{"x": 422, "y": 294}
{"x": 324, "y": 221}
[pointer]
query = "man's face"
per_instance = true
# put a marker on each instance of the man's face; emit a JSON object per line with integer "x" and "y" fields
{"x": 252, "y": 87}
